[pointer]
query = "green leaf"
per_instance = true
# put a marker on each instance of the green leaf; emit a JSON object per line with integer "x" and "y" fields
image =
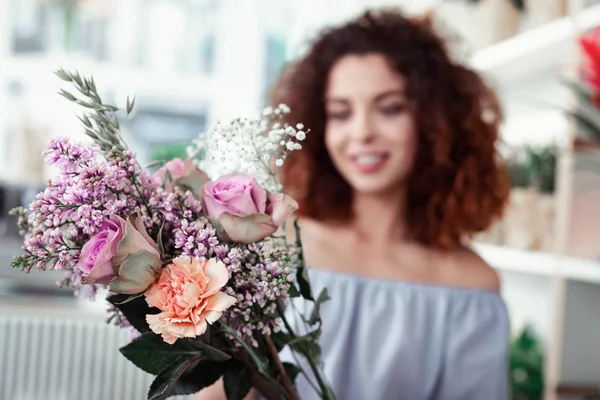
{"x": 211, "y": 353}
{"x": 258, "y": 361}
{"x": 77, "y": 78}
{"x": 152, "y": 354}
{"x": 281, "y": 339}
{"x": 293, "y": 291}
{"x": 237, "y": 380}
{"x": 200, "y": 375}
{"x": 302, "y": 272}
{"x": 134, "y": 310}
{"x": 292, "y": 370}
{"x": 316, "y": 313}
{"x": 586, "y": 124}
{"x": 168, "y": 175}
{"x": 304, "y": 282}
{"x": 130, "y": 298}
{"x": 92, "y": 84}
{"x": 86, "y": 121}
{"x": 159, "y": 241}
{"x": 91, "y": 134}
{"x": 156, "y": 163}
{"x": 308, "y": 344}
{"x": 85, "y": 104}
{"x": 67, "y": 95}
{"x": 114, "y": 121}
{"x": 64, "y": 75}
{"x": 130, "y": 104}
{"x": 323, "y": 296}
{"x": 582, "y": 91}
{"x": 167, "y": 378}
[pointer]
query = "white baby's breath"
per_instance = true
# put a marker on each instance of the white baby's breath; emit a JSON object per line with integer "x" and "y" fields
{"x": 257, "y": 147}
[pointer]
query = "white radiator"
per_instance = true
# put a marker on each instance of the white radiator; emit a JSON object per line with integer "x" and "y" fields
{"x": 65, "y": 353}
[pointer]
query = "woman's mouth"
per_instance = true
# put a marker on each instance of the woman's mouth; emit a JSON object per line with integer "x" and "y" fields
{"x": 369, "y": 163}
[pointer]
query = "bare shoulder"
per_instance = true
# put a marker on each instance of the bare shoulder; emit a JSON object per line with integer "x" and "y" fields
{"x": 469, "y": 269}
{"x": 307, "y": 228}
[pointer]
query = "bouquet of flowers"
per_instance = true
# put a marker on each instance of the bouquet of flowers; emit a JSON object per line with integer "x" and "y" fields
{"x": 194, "y": 256}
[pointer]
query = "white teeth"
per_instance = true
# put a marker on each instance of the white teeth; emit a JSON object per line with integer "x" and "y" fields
{"x": 369, "y": 159}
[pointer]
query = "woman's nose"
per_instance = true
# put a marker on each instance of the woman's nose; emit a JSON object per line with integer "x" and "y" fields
{"x": 362, "y": 128}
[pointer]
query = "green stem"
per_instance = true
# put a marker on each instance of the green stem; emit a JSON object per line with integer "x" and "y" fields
{"x": 286, "y": 383}
{"x": 142, "y": 198}
{"x": 326, "y": 393}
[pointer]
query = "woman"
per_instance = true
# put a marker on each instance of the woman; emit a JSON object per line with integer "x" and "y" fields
{"x": 398, "y": 170}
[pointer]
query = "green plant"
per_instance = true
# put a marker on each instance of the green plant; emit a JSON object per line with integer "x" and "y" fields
{"x": 585, "y": 114}
{"x": 540, "y": 167}
{"x": 533, "y": 166}
{"x": 519, "y": 4}
{"x": 526, "y": 366}
{"x": 515, "y": 164}
{"x": 168, "y": 151}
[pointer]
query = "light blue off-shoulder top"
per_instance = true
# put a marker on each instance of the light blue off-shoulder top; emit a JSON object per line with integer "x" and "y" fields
{"x": 391, "y": 340}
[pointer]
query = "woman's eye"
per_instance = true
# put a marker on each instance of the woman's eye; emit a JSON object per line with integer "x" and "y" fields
{"x": 392, "y": 109}
{"x": 340, "y": 115}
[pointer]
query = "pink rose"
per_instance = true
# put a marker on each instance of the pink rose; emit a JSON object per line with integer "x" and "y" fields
{"x": 181, "y": 173}
{"x": 121, "y": 254}
{"x": 188, "y": 293}
{"x": 242, "y": 211}
{"x": 96, "y": 255}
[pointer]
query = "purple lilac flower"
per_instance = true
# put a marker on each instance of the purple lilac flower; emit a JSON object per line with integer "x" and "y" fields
{"x": 67, "y": 156}
{"x": 86, "y": 191}
{"x": 260, "y": 279}
{"x": 196, "y": 238}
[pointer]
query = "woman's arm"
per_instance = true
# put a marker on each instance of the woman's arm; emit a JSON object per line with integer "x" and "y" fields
{"x": 217, "y": 392}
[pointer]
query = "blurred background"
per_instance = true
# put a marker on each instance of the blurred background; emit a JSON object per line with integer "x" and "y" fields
{"x": 189, "y": 62}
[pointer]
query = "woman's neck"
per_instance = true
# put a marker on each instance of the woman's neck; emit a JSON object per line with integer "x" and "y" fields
{"x": 380, "y": 218}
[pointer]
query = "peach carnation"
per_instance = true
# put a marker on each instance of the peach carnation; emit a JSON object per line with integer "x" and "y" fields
{"x": 189, "y": 295}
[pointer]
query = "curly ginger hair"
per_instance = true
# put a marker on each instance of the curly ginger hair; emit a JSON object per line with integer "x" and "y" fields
{"x": 458, "y": 185}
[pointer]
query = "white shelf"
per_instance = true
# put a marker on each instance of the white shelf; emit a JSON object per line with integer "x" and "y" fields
{"x": 538, "y": 263}
{"x": 544, "y": 48}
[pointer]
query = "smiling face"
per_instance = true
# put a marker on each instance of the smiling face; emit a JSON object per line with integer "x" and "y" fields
{"x": 370, "y": 132}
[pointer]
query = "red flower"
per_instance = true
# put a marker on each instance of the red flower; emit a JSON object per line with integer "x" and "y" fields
{"x": 590, "y": 44}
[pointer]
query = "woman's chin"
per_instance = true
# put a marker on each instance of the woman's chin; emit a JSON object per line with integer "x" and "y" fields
{"x": 372, "y": 187}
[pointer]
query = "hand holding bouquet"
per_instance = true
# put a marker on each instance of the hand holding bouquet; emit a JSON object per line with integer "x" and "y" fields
{"x": 193, "y": 255}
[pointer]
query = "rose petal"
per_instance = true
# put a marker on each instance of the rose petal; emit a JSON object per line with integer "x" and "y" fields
{"x": 249, "y": 229}
{"x": 237, "y": 194}
{"x": 193, "y": 181}
{"x": 133, "y": 241}
{"x": 101, "y": 275}
{"x": 259, "y": 197}
{"x": 243, "y": 203}
{"x": 280, "y": 207}
{"x": 138, "y": 223}
{"x": 212, "y": 206}
{"x": 136, "y": 273}
{"x": 189, "y": 167}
